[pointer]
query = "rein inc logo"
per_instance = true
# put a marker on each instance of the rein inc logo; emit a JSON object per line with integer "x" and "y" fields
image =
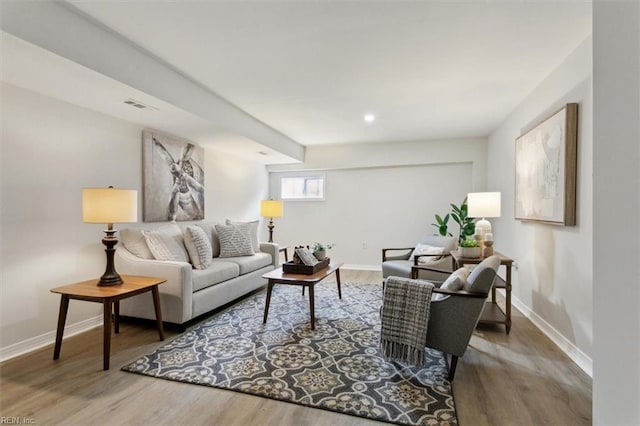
{"x": 12, "y": 420}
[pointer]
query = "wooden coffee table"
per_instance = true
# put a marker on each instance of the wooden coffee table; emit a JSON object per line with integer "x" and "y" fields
{"x": 279, "y": 277}
{"x": 109, "y": 296}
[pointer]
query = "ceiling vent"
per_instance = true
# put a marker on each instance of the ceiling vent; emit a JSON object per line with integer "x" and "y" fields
{"x": 263, "y": 153}
{"x": 139, "y": 105}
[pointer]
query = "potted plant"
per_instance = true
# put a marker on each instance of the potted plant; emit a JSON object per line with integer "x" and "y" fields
{"x": 460, "y": 216}
{"x": 320, "y": 250}
{"x": 470, "y": 248}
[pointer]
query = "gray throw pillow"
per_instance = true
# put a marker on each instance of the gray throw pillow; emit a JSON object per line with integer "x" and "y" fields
{"x": 255, "y": 242}
{"x": 454, "y": 282}
{"x": 198, "y": 246}
{"x": 235, "y": 240}
{"x": 134, "y": 241}
{"x": 166, "y": 243}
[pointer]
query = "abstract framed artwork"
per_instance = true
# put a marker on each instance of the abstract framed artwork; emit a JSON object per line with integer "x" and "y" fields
{"x": 173, "y": 178}
{"x": 546, "y": 169}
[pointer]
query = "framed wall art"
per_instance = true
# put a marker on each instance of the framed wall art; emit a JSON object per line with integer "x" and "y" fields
{"x": 173, "y": 178}
{"x": 546, "y": 168}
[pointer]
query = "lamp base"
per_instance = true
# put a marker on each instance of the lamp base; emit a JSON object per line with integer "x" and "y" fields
{"x": 110, "y": 276}
{"x": 270, "y": 226}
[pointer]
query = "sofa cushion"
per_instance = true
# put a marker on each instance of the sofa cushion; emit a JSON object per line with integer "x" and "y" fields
{"x": 255, "y": 242}
{"x": 397, "y": 268}
{"x": 166, "y": 243}
{"x": 210, "y": 230}
{"x": 235, "y": 240}
{"x": 134, "y": 241}
{"x": 198, "y": 246}
{"x": 216, "y": 273}
{"x": 249, "y": 263}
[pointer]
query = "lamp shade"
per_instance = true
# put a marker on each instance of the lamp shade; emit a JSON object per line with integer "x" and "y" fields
{"x": 271, "y": 208}
{"x": 483, "y": 204}
{"x": 109, "y": 205}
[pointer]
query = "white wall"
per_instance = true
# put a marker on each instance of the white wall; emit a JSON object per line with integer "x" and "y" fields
{"x": 380, "y": 195}
{"x": 50, "y": 150}
{"x": 616, "y": 87}
{"x": 553, "y": 283}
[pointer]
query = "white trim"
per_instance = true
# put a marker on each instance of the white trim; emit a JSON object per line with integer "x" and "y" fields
{"x": 357, "y": 267}
{"x": 569, "y": 348}
{"x": 46, "y": 339}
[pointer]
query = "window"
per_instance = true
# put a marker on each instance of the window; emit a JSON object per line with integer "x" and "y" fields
{"x": 302, "y": 187}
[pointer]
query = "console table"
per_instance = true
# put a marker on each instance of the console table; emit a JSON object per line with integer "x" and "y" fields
{"x": 109, "y": 296}
{"x": 492, "y": 312}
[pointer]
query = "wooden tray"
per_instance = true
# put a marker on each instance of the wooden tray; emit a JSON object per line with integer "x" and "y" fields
{"x": 292, "y": 268}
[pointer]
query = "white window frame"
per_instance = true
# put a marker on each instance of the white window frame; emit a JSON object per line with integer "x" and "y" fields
{"x": 321, "y": 176}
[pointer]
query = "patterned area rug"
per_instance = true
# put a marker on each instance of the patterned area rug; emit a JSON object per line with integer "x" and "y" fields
{"x": 338, "y": 366}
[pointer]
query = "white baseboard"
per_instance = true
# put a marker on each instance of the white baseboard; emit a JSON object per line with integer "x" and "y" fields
{"x": 357, "y": 267}
{"x": 38, "y": 342}
{"x": 571, "y": 350}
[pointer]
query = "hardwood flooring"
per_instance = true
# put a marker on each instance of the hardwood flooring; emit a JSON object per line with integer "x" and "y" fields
{"x": 516, "y": 379}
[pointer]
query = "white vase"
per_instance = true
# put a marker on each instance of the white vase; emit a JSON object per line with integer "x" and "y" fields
{"x": 320, "y": 254}
{"x": 470, "y": 252}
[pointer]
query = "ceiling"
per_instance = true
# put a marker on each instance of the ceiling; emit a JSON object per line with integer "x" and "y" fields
{"x": 311, "y": 70}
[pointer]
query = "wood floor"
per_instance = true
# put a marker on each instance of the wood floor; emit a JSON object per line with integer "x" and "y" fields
{"x": 519, "y": 379}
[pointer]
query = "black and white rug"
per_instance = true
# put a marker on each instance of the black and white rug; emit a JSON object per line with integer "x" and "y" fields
{"x": 338, "y": 366}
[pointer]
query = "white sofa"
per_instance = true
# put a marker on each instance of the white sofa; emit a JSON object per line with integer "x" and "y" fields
{"x": 191, "y": 292}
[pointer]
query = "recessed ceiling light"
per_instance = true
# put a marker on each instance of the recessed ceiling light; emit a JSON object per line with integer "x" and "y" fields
{"x": 369, "y": 118}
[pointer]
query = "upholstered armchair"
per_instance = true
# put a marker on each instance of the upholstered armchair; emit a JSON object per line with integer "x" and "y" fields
{"x": 398, "y": 262}
{"x": 456, "y": 306}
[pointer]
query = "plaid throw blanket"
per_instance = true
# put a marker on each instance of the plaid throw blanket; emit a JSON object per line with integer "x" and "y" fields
{"x": 405, "y": 314}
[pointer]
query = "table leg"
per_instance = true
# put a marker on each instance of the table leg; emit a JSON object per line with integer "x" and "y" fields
{"x": 312, "y": 307}
{"x": 107, "y": 334}
{"x": 508, "y": 300}
{"x": 116, "y": 316}
{"x": 338, "y": 280}
{"x": 62, "y": 318}
{"x": 267, "y": 301}
{"x": 156, "y": 305}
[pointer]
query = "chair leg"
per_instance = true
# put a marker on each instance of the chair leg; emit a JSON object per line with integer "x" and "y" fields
{"x": 452, "y": 367}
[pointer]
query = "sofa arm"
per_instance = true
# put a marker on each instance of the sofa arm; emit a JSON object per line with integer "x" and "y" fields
{"x": 178, "y": 275}
{"x": 274, "y": 250}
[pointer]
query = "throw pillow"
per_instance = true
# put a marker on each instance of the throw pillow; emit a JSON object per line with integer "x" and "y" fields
{"x": 454, "y": 282}
{"x": 198, "y": 247}
{"x": 166, "y": 243}
{"x": 255, "y": 242}
{"x": 235, "y": 240}
{"x": 210, "y": 230}
{"x": 426, "y": 249}
{"x": 134, "y": 241}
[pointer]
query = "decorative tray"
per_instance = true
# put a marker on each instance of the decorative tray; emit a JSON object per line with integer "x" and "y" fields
{"x": 300, "y": 268}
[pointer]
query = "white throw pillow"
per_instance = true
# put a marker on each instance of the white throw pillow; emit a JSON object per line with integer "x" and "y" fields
{"x": 454, "y": 282}
{"x": 166, "y": 243}
{"x": 426, "y": 249}
{"x": 255, "y": 242}
{"x": 134, "y": 241}
{"x": 198, "y": 247}
{"x": 235, "y": 240}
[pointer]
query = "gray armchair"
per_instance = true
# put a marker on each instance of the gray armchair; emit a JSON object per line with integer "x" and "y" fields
{"x": 454, "y": 316}
{"x": 396, "y": 261}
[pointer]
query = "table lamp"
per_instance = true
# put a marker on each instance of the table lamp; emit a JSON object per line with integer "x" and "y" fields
{"x": 483, "y": 205}
{"x": 109, "y": 205}
{"x": 271, "y": 209}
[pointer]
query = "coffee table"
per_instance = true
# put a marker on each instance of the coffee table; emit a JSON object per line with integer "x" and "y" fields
{"x": 279, "y": 277}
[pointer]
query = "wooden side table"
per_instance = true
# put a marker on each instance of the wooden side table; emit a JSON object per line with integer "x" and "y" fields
{"x": 109, "y": 296}
{"x": 492, "y": 313}
{"x": 279, "y": 277}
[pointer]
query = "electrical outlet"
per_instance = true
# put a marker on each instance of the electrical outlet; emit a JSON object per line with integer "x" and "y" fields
{"x": 364, "y": 246}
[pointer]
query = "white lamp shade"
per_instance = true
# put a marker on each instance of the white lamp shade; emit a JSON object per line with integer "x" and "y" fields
{"x": 483, "y": 204}
{"x": 109, "y": 205}
{"x": 271, "y": 208}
